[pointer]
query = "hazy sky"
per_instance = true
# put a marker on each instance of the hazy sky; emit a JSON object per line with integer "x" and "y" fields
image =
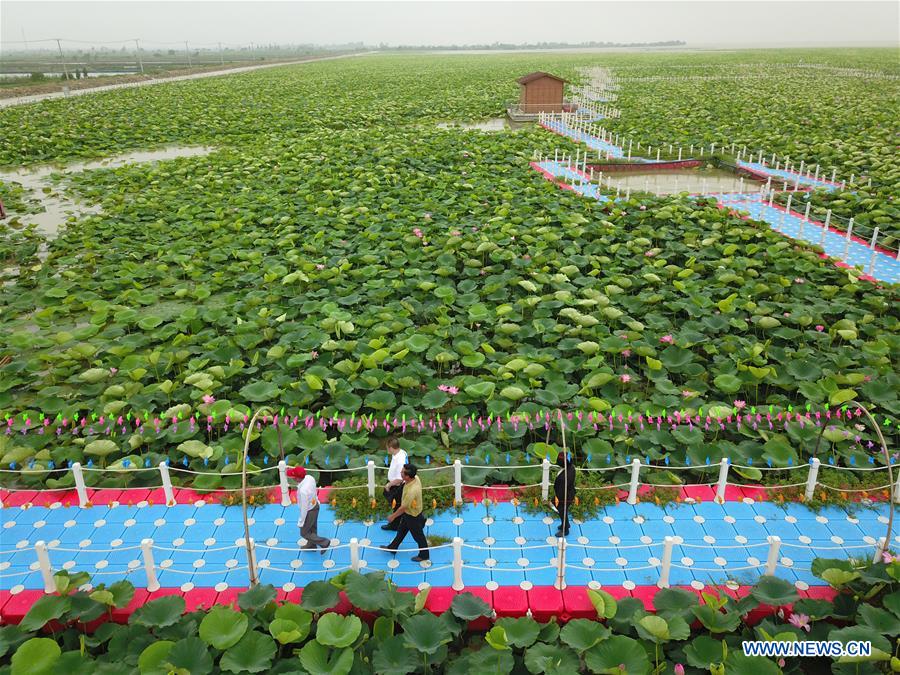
{"x": 745, "y": 23}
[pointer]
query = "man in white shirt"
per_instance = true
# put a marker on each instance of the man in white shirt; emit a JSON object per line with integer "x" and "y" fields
{"x": 393, "y": 489}
{"x": 308, "y": 501}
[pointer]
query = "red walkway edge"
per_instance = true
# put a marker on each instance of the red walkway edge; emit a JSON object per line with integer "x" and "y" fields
{"x": 543, "y": 603}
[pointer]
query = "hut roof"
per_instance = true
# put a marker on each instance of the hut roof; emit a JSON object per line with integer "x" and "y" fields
{"x": 525, "y": 79}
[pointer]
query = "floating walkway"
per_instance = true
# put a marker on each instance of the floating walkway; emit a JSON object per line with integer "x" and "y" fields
{"x": 201, "y": 545}
{"x": 792, "y": 178}
{"x": 560, "y": 127}
{"x": 877, "y": 264}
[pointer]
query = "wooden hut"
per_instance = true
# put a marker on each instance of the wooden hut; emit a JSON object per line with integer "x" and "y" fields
{"x": 541, "y": 92}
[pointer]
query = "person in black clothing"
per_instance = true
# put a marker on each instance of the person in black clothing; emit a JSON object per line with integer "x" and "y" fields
{"x": 564, "y": 490}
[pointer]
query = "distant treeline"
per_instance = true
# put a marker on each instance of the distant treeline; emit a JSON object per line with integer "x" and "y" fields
{"x": 540, "y": 45}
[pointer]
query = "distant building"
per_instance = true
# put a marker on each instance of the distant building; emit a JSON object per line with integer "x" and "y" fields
{"x": 540, "y": 92}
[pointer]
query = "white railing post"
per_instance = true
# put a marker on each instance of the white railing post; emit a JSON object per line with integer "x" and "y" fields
{"x": 166, "y": 483}
{"x": 149, "y": 565}
{"x": 457, "y": 564}
{"x": 847, "y": 239}
{"x": 825, "y": 228}
{"x": 774, "y": 548}
{"x": 663, "y": 582}
{"x": 879, "y": 550}
{"x": 812, "y": 478}
{"x": 560, "y": 582}
{"x": 874, "y": 252}
{"x": 46, "y": 571}
{"x": 283, "y": 482}
{"x": 635, "y": 475}
{"x": 457, "y": 482}
{"x": 897, "y": 490}
{"x": 723, "y": 480}
{"x": 370, "y": 470}
{"x": 251, "y": 561}
{"x": 79, "y": 484}
{"x": 545, "y": 479}
{"x": 354, "y": 554}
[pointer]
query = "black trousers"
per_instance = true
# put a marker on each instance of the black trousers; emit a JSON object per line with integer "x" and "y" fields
{"x": 564, "y": 516}
{"x": 414, "y": 525}
{"x": 394, "y": 495}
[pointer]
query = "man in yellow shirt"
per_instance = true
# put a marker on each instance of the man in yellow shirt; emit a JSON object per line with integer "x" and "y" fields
{"x": 410, "y": 514}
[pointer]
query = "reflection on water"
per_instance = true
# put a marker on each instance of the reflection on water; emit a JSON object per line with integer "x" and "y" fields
{"x": 680, "y": 180}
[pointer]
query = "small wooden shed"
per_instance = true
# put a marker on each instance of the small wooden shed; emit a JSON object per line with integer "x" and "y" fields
{"x": 541, "y": 92}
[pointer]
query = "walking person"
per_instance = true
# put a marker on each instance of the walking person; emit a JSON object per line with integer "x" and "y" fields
{"x": 564, "y": 491}
{"x": 308, "y": 501}
{"x": 410, "y": 515}
{"x": 393, "y": 489}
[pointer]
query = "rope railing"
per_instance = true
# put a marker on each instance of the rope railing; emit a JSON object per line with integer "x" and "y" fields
{"x": 773, "y": 543}
{"x": 633, "y": 485}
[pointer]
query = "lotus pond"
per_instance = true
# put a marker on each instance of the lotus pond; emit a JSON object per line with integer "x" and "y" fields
{"x": 341, "y": 254}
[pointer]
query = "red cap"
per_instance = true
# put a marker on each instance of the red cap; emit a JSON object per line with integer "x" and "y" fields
{"x": 297, "y": 472}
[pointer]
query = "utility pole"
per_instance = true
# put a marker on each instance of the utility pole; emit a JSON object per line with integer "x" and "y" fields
{"x": 24, "y": 39}
{"x": 221, "y": 58}
{"x": 62, "y": 60}
{"x": 188, "y": 52}
{"x": 140, "y": 60}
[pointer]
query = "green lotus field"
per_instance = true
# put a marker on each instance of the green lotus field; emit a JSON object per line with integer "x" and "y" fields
{"x": 338, "y": 253}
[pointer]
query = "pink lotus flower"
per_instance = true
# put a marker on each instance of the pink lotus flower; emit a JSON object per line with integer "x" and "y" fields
{"x": 418, "y": 232}
{"x": 643, "y": 208}
{"x": 781, "y": 663}
{"x": 820, "y": 328}
{"x": 649, "y": 254}
{"x": 319, "y": 266}
{"x": 456, "y": 233}
{"x": 678, "y": 669}
{"x": 799, "y": 280}
{"x": 887, "y": 558}
{"x": 625, "y": 378}
{"x": 209, "y": 399}
{"x": 626, "y": 353}
{"x": 740, "y": 405}
{"x": 867, "y": 378}
{"x": 526, "y": 257}
{"x": 687, "y": 394}
{"x": 314, "y": 354}
{"x": 668, "y": 339}
{"x": 113, "y": 371}
{"x": 453, "y": 391}
{"x": 800, "y": 621}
